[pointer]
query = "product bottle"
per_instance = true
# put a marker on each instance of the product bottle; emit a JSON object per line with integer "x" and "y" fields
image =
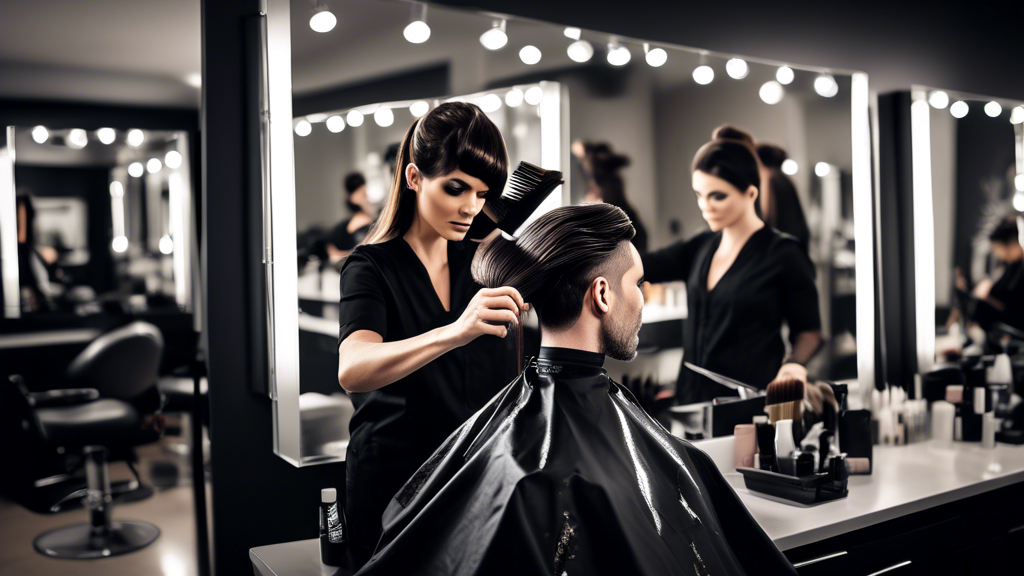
{"x": 333, "y": 532}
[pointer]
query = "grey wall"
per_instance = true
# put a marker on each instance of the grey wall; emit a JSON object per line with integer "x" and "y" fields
{"x": 943, "y": 146}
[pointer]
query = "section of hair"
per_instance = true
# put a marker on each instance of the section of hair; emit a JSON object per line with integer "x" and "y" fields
{"x": 771, "y": 156}
{"x": 1005, "y": 232}
{"x": 730, "y": 132}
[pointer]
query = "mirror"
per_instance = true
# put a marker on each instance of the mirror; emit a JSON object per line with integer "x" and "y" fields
{"x": 650, "y": 103}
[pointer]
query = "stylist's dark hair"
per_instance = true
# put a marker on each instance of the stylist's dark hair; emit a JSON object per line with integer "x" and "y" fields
{"x": 353, "y": 182}
{"x": 453, "y": 136}
{"x": 557, "y": 257}
{"x": 1005, "y": 232}
{"x": 771, "y": 156}
{"x": 731, "y": 157}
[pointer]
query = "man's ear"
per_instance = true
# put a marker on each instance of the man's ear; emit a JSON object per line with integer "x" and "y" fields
{"x": 412, "y": 176}
{"x": 754, "y": 190}
{"x": 601, "y": 295}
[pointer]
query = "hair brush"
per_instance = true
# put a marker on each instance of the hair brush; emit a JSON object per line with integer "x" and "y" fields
{"x": 528, "y": 186}
{"x": 784, "y": 400}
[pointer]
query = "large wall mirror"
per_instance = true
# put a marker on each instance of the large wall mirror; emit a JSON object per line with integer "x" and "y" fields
{"x": 555, "y": 93}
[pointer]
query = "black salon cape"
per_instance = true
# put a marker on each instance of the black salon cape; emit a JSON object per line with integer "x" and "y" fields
{"x": 562, "y": 473}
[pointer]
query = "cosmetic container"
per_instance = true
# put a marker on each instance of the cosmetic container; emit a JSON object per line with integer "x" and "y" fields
{"x": 784, "y": 442}
{"x": 943, "y": 414}
{"x": 988, "y": 430}
{"x": 744, "y": 445}
{"x": 333, "y": 532}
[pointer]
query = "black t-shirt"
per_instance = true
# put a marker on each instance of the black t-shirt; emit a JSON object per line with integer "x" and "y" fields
{"x": 342, "y": 239}
{"x": 386, "y": 289}
{"x": 1008, "y": 290}
{"x": 735, "y": 328}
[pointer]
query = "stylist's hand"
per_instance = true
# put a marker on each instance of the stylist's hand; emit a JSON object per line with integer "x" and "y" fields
{"x": 812, "y": 393}
{"x": 488, "y": 313}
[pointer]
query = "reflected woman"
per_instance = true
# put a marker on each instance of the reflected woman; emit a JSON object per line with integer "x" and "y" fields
{"x": 422, "y": 346}
{"x": 780, "y": 203}
{"x": 743, "y": 280}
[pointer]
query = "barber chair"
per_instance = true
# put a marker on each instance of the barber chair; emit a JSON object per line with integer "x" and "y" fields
{"x": 112, "y": 406}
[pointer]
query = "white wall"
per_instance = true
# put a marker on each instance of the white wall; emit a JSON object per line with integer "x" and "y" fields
{"x": 943, "y": 134}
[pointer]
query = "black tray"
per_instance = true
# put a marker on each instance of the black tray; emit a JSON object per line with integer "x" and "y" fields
{"x": 811, "y": 489}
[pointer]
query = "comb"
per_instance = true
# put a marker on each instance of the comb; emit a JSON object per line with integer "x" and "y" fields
{"x": 528, "y": 186}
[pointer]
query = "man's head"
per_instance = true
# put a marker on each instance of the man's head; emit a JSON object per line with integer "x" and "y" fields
{"x": 1006, "y": 242}
{"x": 579, "y": 270}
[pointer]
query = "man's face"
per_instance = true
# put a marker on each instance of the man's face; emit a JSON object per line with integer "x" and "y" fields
{"x": 620, "y": 330}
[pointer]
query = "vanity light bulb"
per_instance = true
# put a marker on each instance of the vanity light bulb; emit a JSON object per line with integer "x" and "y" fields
{"x": 490, "y": 103}
{"x": 789, "y": 167}
{"x": 993, "y": 109}
{"x": 335, "y": 124}
{"x": 785, "y": 75}
{"x": 120, "y": 244}
{"x": 825, "y": 85}
{"x": 822, "y": 169}
{"x": 354, "y": 118}
{"x": 657, "y": 57}
{"x": 938, "y": 99}
{"x": 771, "y": 92}
{"x": 154, "y": 165}
{"x": 514, "y": 98}
{"x": 136, "y": 169}
{"x": 323, "y": 21}
{"x": 494, "y": 39}
{"x": 580, "y": 51}
{"x": 534, "y": 95}
{"x": 416, "y": 32}
{"x": 737, "y": 68}
{"x": 1018, "y": 182}
{"x": 384, "y": 117}
{"x": 703, "y": 75}
{"x": 166, "y": 245}
{"x": 1017, "y": 115}
{"x": 106, "y": 135}
{"x": 77, "y": 138}
{"x": 573, "y": 33}
{"x": 1018, "y": 201}
{"x": 136, "y": 137}
{"x": 618, "y": 55}
{"x": 172, "y": 159}
{"x": 419, "y": 108}
{"x": 40, "y": 134}
{"x": 116, "y": 189}
{"x": 303, "y": 128}
{"x": 530, "y": 55}
{"x": 959, "y": 109}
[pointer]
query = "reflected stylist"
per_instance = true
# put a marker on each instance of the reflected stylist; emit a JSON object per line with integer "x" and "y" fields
{"x": 422, "y": 346}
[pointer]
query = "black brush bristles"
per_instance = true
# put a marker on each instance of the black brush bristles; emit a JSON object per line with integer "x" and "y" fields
{"x": 528, "y": 186}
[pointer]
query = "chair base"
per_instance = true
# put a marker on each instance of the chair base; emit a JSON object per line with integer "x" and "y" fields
{"x": 78, "y": 542}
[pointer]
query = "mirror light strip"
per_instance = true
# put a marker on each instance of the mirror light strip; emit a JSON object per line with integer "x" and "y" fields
{"x": 9, "y": 230}
{"x": 862, "y": 220}
{"x": 924, "y": 233}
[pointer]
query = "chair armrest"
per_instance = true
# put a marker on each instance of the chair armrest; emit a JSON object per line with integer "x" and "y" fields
{"x": 63, "y": 397}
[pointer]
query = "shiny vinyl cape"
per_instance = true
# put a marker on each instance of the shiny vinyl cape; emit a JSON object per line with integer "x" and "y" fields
{"x": 563, "y": 473}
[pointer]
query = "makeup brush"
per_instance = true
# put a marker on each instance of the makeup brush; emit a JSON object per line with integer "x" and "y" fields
{"x": 528, "y": 186}
{"x": 784, "y": 400}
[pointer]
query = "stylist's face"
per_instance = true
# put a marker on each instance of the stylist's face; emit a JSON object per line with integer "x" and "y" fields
{"x": 449, "y": 202}
{"x": 620, "y": 332}
{"x": 721, "y": 203}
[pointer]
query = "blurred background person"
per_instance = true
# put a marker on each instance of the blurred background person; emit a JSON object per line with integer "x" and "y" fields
{"x": 780, "y": 203}
{"x": 601, "y": 167}
{"x": 352, "y": 231}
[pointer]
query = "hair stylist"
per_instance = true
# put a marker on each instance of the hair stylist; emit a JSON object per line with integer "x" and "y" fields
{"x": 421, "y": 344}
{"x": 742, "y": 279}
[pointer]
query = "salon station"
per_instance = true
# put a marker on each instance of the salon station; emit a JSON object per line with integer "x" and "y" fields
{"x": 311, "y": 287}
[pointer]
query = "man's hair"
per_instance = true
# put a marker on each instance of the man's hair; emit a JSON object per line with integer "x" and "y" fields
{"x": 1005, "y": 232}
{"x": 557, "y": 257}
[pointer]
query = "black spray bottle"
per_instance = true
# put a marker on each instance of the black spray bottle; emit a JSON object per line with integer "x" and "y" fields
{"x": 333, "y": 532}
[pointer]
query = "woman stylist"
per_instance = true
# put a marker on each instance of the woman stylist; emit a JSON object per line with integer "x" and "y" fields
{"x": 422, "y": 346}
{"x": 743, "y": 279}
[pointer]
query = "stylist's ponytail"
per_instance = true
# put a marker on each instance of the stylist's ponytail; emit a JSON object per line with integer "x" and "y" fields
{"x": 396, "y": 216}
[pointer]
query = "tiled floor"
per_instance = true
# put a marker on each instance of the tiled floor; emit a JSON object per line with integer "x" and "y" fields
{"x": 172, "y": 554}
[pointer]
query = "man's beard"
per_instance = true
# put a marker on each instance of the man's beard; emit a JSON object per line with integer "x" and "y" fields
{"x": 619, "y": 339}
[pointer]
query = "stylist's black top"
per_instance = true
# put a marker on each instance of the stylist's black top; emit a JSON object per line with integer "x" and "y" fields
{"x": 735, "y": 328}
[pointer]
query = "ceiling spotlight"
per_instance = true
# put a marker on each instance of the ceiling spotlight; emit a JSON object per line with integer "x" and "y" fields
{"x": 703, "y": 75}
{"x": 1017, "y": 115}
{"x": 656, "y": 57}
{"x": 490, "y": 103}
{"x": 993, "y": 109}
{"x": 136, "y": 169}
{"x": 40, "y": 134}
{"x": 958, "y": 109}
{"x": 822, "y": 169}
{"x": 580, "y": 51}
{"x": 106, "y": 135}
{"x": 573, "y": 33}
{"x": 335, "y": 124}
{"x": 534, "y": 95}
{"x": 303, "y": 128}
{"x": 77, "y": 138}
{"x": 384, "y": 117}
{"x": 323, "y": 21}
{"x": 172, "y": 159}
{"x": 789, "y": 167}
{"x": 771, "y": 92}
{"x": 495, "y": 38}
{"x": 136, "y": 137}
{"x": 618, "y": 55}
{"x": 166, "y": 244}
{"x": 514, "y": 97}
{"x": 825, "y": 85}
{"x": 785, "y": 75}
{"x": 354, "y": 118}
{"x": 154, "y": 165}
{"x": 120, "y": 244}
{"x": 419, "y": 108}
{"x": 116, "y": 189}
{"x": 530, "y": 55}
{"x": 938, "y": 99}
{"x": 737, "y": 68}
{"x": 417, "y": 31}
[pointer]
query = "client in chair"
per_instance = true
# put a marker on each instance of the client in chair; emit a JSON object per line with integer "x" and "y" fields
{"x": 562, "y": 472}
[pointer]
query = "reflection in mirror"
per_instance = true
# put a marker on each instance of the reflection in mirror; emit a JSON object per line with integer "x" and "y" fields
{"x": 632, "y": 114}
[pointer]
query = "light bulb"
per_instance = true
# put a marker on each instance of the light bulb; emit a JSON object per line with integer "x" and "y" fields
{"x": 315, "y": 118}
{"x": 335, "y": 124}
{"x": 958, "y": 109}
{"x": 822, "y": 169}
{"x": 785, "y": 75}
{"x": 120, "y": 244}
{"x": 303, "y": 128}
{"x": 417, "y": 32}
{"x": 490, "y": 103}
{"x": 993, "y": 109}
{"x": 1018, "y": 201}
{"x": 354, "y": 118}
{"x": 194, "y": 79}
{"x": 166, "y": 244}
{"x": 825, "y": 85}
{"x": 657, "y": 57}
{"x": 116, "y": 189}
{"x": 494, "y": 39}
{"x": 703, "y": 75}
{"x": 136, "y": 137}
{"x": 323, "y": 21}
{"x": 1017, "y": 115}
{"x": 530, "y": 55}
{"x": 154, "y": 165}
{"x": 172, "y": 159}
{"x": 573, "y": 33}
{"x": 514, "y": 97}
{"x": 580, "y": 51}
{"x": 737, "y": 68}
{"x": 534, "y": 95}
{"x": 77, "y": 138}
{"x": 419, "y": 108}
{"x": 40, "y": 134}
{"x": 384, "y": 117}
{"x": 106, "y": 135}
{"x": 938, "y": 99}
{"x": 136, "y": 169}
{"x": 771, "y": 92}
{"x": 618, "y": 55}
{"x": 1018, "y": 182}
{"x": 789, "y": 167}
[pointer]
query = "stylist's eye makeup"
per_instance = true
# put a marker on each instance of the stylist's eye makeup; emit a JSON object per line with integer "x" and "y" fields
{"x": 640, "y": 281}
{"x": 455, "y": 187}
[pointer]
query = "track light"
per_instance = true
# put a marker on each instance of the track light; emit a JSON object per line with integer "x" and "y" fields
{"x": 656, "y": 57}
{"x": 574, "y": 33}
{"x": 938, "y": 99}
{"x": 495, "y": 38}
{"x": 785, "y": 75}
{"x": 703, "y": 75}
{"x": 530, "y": 55}
{"x": 323, "y": 21}
{"x": 618, "y": 55}
{"x": 825, "y": 85}
{"x": 417, "y": 31}
{"x": 580, "y": 51}
{"x": 737, "y": 68}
